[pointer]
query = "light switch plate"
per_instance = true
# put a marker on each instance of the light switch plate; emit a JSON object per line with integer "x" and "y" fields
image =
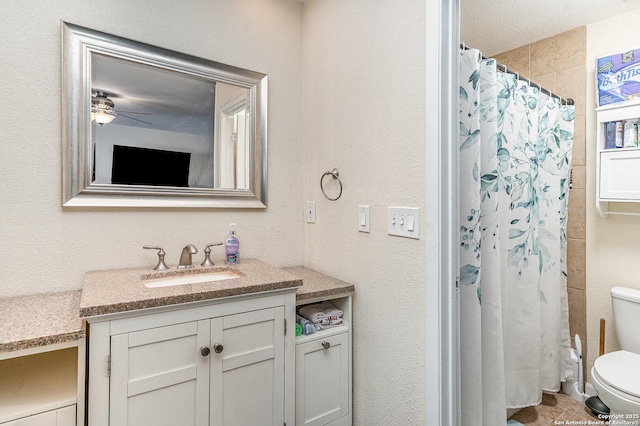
{"x": 311, "y": 212}
{"x": 403, "y": 222}
{"x": 364, "y": 218}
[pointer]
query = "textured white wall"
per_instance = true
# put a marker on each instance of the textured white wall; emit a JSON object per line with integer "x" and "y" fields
{"x": 45, "y": 248}
{"x": 364, "y": 113}
{"x": 613, "y": 247}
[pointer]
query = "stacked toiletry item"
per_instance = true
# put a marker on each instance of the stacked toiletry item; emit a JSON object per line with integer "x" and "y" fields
{"x": 621, "y": 134}
{"x": 307, "y": 326}
{"x": 318, "y": 316}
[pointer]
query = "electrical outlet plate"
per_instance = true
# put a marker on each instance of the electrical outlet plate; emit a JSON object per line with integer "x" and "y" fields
{"x": 403, "y": 222}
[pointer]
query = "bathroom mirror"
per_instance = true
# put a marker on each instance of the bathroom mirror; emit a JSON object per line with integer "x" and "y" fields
{"x": 145, "y": 126}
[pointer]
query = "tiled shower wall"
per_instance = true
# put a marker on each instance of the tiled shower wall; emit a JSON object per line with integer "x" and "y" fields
{"x": 558, "y": 64}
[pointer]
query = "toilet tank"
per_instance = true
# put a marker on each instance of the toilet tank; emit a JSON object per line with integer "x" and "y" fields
{"x": 625, "y": 303}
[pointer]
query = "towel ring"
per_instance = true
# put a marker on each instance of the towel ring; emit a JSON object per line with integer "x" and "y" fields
{"x": 336, "y": 175}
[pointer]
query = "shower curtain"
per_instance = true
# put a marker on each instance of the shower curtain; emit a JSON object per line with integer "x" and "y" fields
{"x": 515, "y": 160}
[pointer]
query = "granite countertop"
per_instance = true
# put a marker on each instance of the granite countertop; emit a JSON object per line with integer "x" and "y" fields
{"x": 120, "y": 290}
{"x": 318, "y": 285}
{"x": 46, "y": 319}
{"x": 40, "y": 320}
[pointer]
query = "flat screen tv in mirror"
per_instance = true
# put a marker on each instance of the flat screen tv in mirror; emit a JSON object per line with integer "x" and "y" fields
{"x": 144, "y": 166}
{"x": 144, "y": 126}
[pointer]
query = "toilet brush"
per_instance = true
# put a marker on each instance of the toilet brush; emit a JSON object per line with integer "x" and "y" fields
{"x": 580, "y": 380}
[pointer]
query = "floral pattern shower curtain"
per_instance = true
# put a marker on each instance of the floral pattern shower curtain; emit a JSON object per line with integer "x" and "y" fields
{"x": 515, "y": 161}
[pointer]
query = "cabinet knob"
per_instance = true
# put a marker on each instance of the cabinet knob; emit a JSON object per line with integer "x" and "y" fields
{"x": 326, "y": 344}
{"x": 205, "y": 351}
{"x": 217, "y": 348}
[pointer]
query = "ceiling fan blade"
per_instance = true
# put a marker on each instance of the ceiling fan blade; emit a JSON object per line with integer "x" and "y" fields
{"x": 134, "y": 112}
{"x": 132, "y": 118}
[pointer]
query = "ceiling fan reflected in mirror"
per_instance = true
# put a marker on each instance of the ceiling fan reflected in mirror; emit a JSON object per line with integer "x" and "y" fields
{"x": 103, "y": 110}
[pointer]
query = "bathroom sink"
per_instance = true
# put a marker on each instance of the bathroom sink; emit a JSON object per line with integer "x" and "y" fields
{"x": 189, "y": 277}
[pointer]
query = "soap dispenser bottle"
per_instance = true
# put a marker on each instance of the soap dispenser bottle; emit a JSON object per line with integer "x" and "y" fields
{"x": 232, "y": 245}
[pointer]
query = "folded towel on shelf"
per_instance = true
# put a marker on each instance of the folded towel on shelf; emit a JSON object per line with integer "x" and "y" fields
{"x": 328, "y": 323}
{"x": 321, "y": 313}
{"x": 307, "y": 326}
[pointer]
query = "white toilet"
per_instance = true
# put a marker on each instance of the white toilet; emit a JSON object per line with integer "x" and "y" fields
{"x": 616, "y": 375}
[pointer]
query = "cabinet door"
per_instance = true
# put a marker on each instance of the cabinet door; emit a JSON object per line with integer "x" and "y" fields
{"x": 620, "y": 175}
{"x": 247, "y": 375}
{"x": 159, "y": 376}
{"x": 322, "y": 380}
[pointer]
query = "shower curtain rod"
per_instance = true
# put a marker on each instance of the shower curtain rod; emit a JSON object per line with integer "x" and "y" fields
{"x": 563, "y": 101}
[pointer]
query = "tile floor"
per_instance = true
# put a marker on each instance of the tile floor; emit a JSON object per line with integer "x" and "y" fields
{"x": 556, "y": 409}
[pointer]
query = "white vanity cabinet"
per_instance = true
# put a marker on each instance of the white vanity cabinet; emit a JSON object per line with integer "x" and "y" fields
{"x": 618, "y": 169}
{"x": 40, "y": 389}
{"x": 323, "y": 373}
{"x": 61, "y": 417}
{"x": 217, "y": 363}
{"x": 42, "y": 360}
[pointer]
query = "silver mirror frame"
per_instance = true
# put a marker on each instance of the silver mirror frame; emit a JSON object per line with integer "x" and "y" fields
{"x": 78, "y": 44}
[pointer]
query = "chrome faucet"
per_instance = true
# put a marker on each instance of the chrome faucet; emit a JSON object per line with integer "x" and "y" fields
{"x": 185, "y": 257}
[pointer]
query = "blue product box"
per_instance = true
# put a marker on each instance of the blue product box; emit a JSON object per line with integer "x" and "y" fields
{"x": 618, "y": 77}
